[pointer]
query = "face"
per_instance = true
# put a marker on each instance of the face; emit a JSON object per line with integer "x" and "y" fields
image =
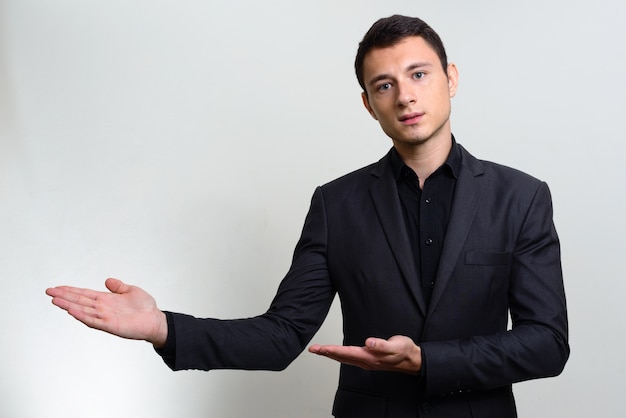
{"x": 408, "y": 92}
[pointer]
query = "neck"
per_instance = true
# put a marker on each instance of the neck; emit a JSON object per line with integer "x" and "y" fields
{"x": 426, "y": 157}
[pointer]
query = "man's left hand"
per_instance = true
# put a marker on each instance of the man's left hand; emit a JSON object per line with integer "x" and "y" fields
{"x": 397, "y": 354}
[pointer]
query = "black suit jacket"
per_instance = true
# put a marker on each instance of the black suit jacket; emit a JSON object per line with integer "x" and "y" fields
{"x": 500, "y": 255}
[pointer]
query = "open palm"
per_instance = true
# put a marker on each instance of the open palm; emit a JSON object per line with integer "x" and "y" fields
{"x": 126, "y": 311}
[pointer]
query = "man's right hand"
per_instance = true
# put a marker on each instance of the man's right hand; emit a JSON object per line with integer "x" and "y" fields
{"x": 126, "y": 311}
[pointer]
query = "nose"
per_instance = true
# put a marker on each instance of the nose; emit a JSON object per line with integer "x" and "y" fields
{"x": 406, "y": 95}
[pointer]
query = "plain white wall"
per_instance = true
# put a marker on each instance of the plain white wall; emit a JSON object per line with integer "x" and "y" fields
{"x": 176, "y": 145}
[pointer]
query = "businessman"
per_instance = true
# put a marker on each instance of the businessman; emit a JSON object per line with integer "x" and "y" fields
{"x": 429, "y": 249}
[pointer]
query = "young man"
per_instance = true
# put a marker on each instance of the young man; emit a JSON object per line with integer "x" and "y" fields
{"x": 429, "y": 250}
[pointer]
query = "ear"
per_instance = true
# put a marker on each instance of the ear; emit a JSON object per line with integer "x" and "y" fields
{"x": 453, "y": 79}
{"x": 366, "y": 103}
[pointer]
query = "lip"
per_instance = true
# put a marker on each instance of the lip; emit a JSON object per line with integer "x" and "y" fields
{"x": 410, "y": 118}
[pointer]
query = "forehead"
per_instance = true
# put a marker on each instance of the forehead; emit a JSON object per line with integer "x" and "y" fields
{"x": 408, "y": 51}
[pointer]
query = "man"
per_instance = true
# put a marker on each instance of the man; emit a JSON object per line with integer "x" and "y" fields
{"x": 429, "y": 250}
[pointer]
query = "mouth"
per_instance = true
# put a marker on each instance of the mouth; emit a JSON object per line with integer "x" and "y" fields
{"x": 410, "y": 118}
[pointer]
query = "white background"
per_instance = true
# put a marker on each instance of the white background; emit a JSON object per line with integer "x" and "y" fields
{"x": 176, "y": 144}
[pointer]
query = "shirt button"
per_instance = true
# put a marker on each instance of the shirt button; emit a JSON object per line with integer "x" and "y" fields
{"x": 428, "y": 241}
{"x": 427, "y": 200}
{"x": 432, "y": 285}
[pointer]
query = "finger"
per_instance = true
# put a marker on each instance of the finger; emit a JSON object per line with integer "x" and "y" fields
{"x": 116, "y": 285}
{"x": 87, "y": 299}
{"x": 388, "y": 347}
{"x": 325, "y": 349}
{"x": 335, "y": 350}
{"x": 78, "y": 311}
{"x": 315, "y": 349}
{"x": 72, "y": 293}
{"x": 72, "y": 308}
{"x": 344, "y": 354}
{"x": 59, "y": 291}
{"x": 375, "y": 344}
{"x": 88, "y": 317}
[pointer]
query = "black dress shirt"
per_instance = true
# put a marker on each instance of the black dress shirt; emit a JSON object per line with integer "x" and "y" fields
{"x": 426, "y": 212}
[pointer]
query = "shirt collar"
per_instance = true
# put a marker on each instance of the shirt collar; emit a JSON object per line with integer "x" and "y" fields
{"x": 453, "y": 162}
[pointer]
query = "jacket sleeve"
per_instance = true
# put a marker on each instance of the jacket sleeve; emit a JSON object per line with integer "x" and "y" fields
{"x": 537, "y": 344}
{"x": 270, "y": 341}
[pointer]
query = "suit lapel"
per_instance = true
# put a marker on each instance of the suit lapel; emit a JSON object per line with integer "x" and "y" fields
{"x": 467, "y": 194}
{"x": 384, "y": 193}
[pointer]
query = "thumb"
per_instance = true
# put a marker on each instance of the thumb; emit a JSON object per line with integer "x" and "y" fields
{"x": 374, "y": 344}
{"x": 116, "y": 286}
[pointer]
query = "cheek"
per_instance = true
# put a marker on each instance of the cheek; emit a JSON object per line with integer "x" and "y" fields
{"x": 441, "y": 102}
{"x": 382, "y": 111}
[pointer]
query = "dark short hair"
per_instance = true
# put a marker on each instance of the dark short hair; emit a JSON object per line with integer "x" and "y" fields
{"x": 389, "y": 31}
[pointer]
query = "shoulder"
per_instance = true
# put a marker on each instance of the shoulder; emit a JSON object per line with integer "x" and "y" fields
{"x": 500, "y": 183}
{"x": 359, "y": 178}
{"x": 496, "y": 172}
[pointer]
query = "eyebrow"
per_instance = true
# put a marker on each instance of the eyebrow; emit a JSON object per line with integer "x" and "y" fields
{"x": 409, "y": 68}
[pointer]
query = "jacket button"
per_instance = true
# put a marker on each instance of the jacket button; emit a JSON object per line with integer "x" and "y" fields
{"x": 428, "y": 241}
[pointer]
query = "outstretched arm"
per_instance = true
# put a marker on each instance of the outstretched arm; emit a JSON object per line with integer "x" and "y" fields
{"x": 126, "y": 311}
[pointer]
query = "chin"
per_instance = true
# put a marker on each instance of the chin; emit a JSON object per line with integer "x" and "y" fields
{"x": 417, "y": 140}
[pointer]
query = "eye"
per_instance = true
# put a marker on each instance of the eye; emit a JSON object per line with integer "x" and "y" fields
{"x": 418, "y": 75}
{"x": 384, "y": 86}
